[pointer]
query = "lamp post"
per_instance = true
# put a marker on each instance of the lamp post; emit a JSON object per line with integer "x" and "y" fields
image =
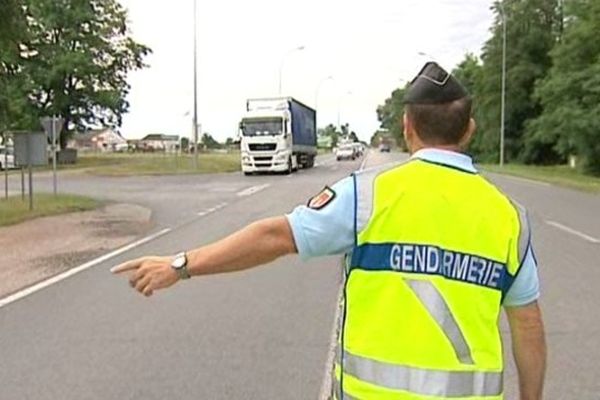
{"x": 503, "y": 100}
{"x": 423, "y": 54}
{"x": 195, "y": 127}
{"x": 299, "y": 48}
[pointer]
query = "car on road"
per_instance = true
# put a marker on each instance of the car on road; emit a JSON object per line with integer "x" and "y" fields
{"x": 346, "y": 152}
{"x": 7, "y": 158}
{"x": 384, "y": 148}
{"x": 360, "y": 151}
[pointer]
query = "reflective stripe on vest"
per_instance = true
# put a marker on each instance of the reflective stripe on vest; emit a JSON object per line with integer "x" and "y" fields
{"x": 420, "y": 381}
{"x": 437, "y": 307}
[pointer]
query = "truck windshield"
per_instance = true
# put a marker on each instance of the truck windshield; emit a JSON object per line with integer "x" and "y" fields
{"x": 262, "y": 127}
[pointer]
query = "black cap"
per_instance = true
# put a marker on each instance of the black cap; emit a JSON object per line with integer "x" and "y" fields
{"x": 433, "y": 85}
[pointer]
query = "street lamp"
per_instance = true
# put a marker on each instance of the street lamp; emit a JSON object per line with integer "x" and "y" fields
{"x": 195, "y": 127}
{"x": 423, "y": 54}
{"x": 300, "y": 48}
{"x": 503, "y": 101}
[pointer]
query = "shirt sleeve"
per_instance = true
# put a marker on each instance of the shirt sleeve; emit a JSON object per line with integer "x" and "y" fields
{"x": 526, "y": 287}
{"x": 329, "y": 230}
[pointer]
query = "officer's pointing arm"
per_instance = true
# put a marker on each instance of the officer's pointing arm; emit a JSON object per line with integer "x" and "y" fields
{"x": 310, "y": 231}
{"x": 258, "y": 243}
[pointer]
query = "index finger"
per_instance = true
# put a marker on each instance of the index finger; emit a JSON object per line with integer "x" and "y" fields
{"x": 127, "y": 266}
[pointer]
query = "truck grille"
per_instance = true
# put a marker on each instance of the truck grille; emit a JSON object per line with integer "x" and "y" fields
{"x": 262, "y": 147}
{"x": 263, "y": 159}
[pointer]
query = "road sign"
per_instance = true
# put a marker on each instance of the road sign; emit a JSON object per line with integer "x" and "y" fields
{"x": 52, "y": 126}
{"x": 30, "y": 148}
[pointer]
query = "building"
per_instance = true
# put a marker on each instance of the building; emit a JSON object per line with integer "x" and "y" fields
{"x": 160, "y": 142}
{"x": 99, "y": 140}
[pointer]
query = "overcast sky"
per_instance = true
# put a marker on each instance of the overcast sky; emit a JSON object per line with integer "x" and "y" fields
{"x": 367, "y": 46}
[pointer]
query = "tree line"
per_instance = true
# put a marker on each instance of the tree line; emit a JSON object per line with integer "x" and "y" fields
{"x": 68, "y": 58}
{"x": 552, "y": 85}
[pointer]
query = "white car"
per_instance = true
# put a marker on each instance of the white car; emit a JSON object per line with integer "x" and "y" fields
{"x": 346, "y": 152}
{"x": 7, "y": 158}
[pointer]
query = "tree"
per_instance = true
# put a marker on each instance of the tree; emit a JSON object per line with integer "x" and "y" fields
{"x": 83, "y": 54}
{"x": 210, "y": 142}
{"x": 14, "y": 84}
{"x": 468, "y": 72}
{"x": 390, "y": 115}
{"x": 332, "y": 132}
{"x": 533, "y": 27}
{"x": 570, "y": 94}
{"x": 185, "y": 144}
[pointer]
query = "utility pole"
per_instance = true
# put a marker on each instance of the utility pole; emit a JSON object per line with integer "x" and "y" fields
{"x": 195, "y": 128}
{"x": 503, "y": 101}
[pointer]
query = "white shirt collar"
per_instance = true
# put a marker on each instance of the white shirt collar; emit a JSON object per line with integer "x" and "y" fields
{"x": 446, "y": 157}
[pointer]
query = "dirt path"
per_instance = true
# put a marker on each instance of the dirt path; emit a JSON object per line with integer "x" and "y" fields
{"x": 38, "y": 249}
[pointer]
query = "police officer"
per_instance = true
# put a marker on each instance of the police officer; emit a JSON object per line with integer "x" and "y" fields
{"x": 436, "y": 253}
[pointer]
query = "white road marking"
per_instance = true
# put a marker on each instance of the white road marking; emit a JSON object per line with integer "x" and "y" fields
{"x": 252, "y": 190}
{"x": 212, "y": 209}
{"x": 364, "y": 161}
{"x": 326, "y": 387}
{"x": 60, "y": 277}
{"x": 573, "y": 232}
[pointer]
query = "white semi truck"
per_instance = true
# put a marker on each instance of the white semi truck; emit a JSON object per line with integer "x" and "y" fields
{"x": 277, "y": 135}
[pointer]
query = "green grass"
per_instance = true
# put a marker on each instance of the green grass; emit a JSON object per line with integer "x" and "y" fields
{"x": 128, "y": 164}
{"x": 133, "y": 164}
{"x": 14, "y": 211}
{"x": 157, "y": 164}
{"x": 559, "y": 175}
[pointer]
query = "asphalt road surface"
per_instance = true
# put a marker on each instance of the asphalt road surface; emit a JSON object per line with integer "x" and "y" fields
{"x": 261, "y": 334}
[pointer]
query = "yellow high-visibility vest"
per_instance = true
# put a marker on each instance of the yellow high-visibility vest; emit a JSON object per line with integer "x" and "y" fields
{"x": 437, "y": 248}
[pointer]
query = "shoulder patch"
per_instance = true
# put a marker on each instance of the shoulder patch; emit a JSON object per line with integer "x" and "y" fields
{"x": 321, "y": 200}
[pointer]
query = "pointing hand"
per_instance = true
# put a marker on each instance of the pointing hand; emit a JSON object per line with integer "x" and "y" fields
{"x": 148, "y": 274}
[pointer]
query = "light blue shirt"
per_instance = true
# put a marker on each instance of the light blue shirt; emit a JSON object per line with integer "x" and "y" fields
{"x": 330, "y": 230}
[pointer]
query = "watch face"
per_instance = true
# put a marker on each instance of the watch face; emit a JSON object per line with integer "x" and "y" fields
{"x": 179, "y": 261}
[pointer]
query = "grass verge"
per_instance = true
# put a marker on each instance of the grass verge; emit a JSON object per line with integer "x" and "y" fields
{"x": 559, "y": 175}
{"x": 14, "y": 211}
{"x": 158, "y": 164}
{"x": 128, "y": 164}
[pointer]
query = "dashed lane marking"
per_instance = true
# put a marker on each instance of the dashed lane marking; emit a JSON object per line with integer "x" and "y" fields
{"x": 211, "y": 210}
{"x": 252, "y": 190}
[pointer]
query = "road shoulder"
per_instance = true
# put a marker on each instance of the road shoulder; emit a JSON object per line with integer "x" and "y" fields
{"x": 38, "y": 249}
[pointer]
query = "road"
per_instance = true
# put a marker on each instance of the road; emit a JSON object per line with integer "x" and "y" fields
{"x": 261, "y": 334}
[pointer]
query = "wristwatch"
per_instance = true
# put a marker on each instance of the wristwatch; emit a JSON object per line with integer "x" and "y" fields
{"x": 179, "y": 264}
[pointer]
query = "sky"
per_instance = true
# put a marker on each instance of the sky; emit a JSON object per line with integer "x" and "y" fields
{"x": 369, "y": 48}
